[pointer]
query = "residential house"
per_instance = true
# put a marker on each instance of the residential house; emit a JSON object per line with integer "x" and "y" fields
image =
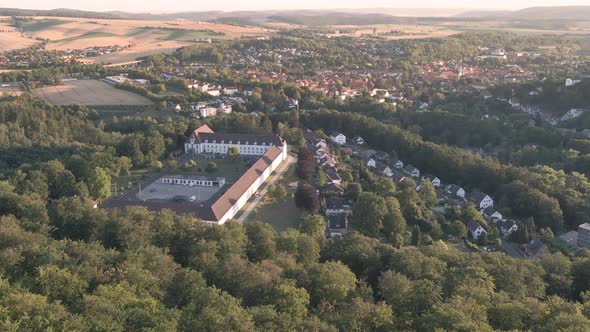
{"x": 491, "y": 215}
{"x": 398, "y": 164}
{"x": 433, "y": 179}
{"x": 332, "y": 175}
{"x": 571, "y": 82}
{"x": 384, "y": 170}
{"x": 455, "y": 190}
{"x": 476, "y": 230}
{"x": 381, "y": 156}
{"x": 334, "y": 205}
{"x": 338, "y": 138}
{"x": 230, "y": 91}
{"x": 536, "y": 249}
{"x": 321, "y": 144}
{"x": 358, "y": 140}
{"x": 481, "y": 200}
{"x": 207, "y": 112}
{"x": 337, "y": 225}
{"x": 371, "y": 163}
{"x": 333, "y": 189}
{"x": 508, "y": 226}
{"x": 412, "y": 171}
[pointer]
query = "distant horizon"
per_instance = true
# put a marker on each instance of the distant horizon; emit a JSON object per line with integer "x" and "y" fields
{"x": 179, "y": 6}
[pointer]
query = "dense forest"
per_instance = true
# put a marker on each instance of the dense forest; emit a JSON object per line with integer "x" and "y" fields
{"x": 65, "y": 265}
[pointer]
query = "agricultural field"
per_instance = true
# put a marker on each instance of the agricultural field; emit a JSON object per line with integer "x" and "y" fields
{"x": 142, "y": 37}
{"x": 11, "y": 39}
{"x": 89, "y": 92}
{"x": 395, "y": 31}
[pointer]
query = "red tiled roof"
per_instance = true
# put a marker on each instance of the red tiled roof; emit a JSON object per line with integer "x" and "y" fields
{"x": 231, "y": 196}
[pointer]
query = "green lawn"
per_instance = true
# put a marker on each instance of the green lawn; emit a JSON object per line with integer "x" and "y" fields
{"x": 281, "y": 215}
{"x": 230, "y": 169}
{"x": 126, "y": 182}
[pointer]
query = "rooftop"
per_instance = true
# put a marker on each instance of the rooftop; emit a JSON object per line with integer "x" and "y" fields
{"x": 229, "y": 198}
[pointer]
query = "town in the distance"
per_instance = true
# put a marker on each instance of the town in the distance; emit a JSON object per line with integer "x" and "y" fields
{"x": 315, "y": 170}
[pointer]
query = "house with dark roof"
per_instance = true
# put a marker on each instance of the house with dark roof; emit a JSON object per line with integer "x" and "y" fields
{"x": 382, "y": 156}
{"x": 358, "y": 140}
{"x": 491, "y": 214}
{"x": 334, "y": 205}
{"x": 536, "y": 249}
{"x": 455, "y": 190}
{"x": 204, "y": 140}
{"x": 337, "y": 225}
{"x": 333, "y": 188}
{"x": 508, "y": 226}
{"x": 338, "y": 138}
{"x": 433, "y": 179}
{"x": 384, "y": 170}
{"x": 332, "y": 175}
{"x": 398, "y": 164}
{"x": 476, "y": 230}
{"x": 412, "y": 171}
{"x": 481, "y": 200}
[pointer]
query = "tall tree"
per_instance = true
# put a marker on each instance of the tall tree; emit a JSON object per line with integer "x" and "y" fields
{"x": 368, "y": 213}
{"x": 99, "y": 183}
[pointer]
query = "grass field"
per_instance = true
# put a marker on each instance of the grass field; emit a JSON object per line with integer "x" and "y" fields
{"x": 281, "y": 214}
{"x": 124, "y": 183}
{"x": 229, "y": 169}
{"x": 89, "y": 92}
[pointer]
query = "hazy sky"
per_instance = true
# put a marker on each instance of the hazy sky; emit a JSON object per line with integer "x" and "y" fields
{"x": 230, "y": 5}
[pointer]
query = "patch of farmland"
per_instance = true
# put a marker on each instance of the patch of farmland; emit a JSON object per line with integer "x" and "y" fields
{"x": 89, "y": 92}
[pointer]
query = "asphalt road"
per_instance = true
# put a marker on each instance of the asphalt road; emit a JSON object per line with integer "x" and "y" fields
{"x": 282, "y": 169}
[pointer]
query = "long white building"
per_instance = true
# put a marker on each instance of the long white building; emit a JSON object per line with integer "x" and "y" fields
{"x": 204, "y": 140}
{"x": 272, "y": 150}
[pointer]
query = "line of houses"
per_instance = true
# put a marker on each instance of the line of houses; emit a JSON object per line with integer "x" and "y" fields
{"x": 451, "y": 194}
{"x": 334, "y": 205}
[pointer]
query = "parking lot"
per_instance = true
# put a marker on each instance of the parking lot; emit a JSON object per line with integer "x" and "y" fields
{"x": 165, "y": 191}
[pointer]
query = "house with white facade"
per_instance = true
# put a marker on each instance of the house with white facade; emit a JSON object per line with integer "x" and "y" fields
{"x": 571, "y": 82}
{"x": 230, "y": 91}
{"x": 491, "y": 215}
{"x": 371, "y": 163}
{"x": 455, "y": 190}
{"x": 412, "y": 171}
{"x": 206, "y": 112}
{"x": 481, "y": 200}
{"x": 199, "y": 181}
{"x": 508, "y": 226}
{"x": 384, "y": 170}
{"x": 338, "y": 138}
{"x": 358, "y": 140}
{"x": 433, "y": 179}
{"x": 204, "y": 140}
{"x": 398, "y": 164}
{"x": 476, "y": 230}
